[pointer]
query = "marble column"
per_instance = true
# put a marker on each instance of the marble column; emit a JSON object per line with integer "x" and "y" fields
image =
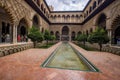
{"x": 14, "y": 34}
{"x": 110, "y": 35}
{"x": 69, "y": 37}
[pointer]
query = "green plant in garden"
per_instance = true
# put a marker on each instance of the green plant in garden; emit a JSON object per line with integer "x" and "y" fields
{"x": 82, "y": 38}
{"x": 52, "y": 37}
{"x": 35, "y": 35}
{"x": 47, "y": 36}
{"x": 99, "y": 36}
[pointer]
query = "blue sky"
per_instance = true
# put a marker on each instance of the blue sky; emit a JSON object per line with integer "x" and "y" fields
{"x": 67, "y": 5}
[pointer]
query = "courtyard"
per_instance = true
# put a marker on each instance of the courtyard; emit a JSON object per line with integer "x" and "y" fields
{"x": 26, "y": 65}
{"x": 59, "y": 39}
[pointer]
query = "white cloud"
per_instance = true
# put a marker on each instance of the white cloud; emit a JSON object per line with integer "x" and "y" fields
{"x": 67, "y": 5}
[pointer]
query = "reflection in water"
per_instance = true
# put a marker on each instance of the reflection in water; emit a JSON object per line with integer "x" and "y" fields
{"x": 65, "y": 57}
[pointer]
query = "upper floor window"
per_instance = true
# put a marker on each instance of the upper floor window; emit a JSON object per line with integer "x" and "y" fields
{"x": 94, "y": 5}
{"x": 42, "y": 7}
{"x": 38, "y": 2}
{"x": 90, "y": 10}
{"x": 99, "y": 1}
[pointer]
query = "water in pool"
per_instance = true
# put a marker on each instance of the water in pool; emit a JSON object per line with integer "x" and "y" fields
{"x": 66, "y": 58}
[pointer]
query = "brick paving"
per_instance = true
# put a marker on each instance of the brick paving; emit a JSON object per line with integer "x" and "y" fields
{"x": 26, "y": 65}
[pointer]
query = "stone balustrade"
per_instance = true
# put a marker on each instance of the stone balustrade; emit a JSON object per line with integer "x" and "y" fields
{"x": 11, "y": 48}
{"x": 112, "y": 49}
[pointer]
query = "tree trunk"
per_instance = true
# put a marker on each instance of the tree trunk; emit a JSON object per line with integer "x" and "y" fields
{"x": 100, "y": 45}
{"x": 47, "y": 42}
{"x": 84, "y": 43}
{"x": 35, "y": 44}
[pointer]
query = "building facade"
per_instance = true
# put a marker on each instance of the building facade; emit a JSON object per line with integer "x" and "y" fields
{"x": 18, "y": 16}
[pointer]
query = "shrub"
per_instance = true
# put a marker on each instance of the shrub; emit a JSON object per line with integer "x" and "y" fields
{"x": 35, "y": 35}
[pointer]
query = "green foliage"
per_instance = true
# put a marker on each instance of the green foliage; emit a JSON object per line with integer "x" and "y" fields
{"x": 82, "y": 37}
{"x": 46, "y": 46}
{"x": 47, "y": 35}
{"x": 52, "y": 37}
{"x": 98, "y": 36}
{"x": 87, "y": 47}
{"x": 35, "y": 35}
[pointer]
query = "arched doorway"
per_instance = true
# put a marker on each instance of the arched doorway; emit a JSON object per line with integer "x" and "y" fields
{"x": 51, "y": 33}
{"x": 87, "y": 33}
{"x": 42, "y": 30}
{"x": 79, "y": 33}
{"x": 57, "y": 34}
{"x": 117, "y": 35}
{"x": 73, "y": 35}
{"x": 6, "y": 30}
{"x": 22, "y": 31}
{"x": 116, "y": 31}
{"x": 101, "y": 22}
{"x": 36, "y": 22}
{"x": 65, "y": 34}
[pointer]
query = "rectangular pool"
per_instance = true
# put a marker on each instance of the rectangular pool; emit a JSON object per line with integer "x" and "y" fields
{"x": 66, "y": 57}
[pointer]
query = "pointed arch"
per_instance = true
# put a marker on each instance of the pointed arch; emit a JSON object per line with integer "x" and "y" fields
{"x": 36, "y": 21}
{"x": 57, "y": 34}
{"x": 6, "y": 23}
{"x": 101, "y": 21}
{"x": 22, "y": 29}
{"x": 116, "y": 30}
{"x": 73, "y": 35}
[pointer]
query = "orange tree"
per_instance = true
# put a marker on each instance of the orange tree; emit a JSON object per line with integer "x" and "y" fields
{"x": 35, "y": 35}
{"x": 82, "y": 38}
{"x": 98, "y": 36}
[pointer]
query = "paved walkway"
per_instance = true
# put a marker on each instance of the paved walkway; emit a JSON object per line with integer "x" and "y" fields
{"x": 25, "y": 65}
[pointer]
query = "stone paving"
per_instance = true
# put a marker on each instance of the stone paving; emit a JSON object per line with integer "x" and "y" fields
{"x": 25, "y": 65}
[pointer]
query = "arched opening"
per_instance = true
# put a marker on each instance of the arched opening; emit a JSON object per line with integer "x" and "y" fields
{"x": 38, "y": 2}
{"x": 72, "y": 18}
{"x": 79, "y": 33}
{"x": 42, "y": 30}
{"x": 77, "y": 18}
{"x": 67, "y": 18}
{"x": 6, "y": 30}
{"x": 36, "y": 22}
{"x": 51, "y": 33}
{"x": 22, "y": 31}
{"x": 91, "y": 30}
{"x": 117, "y": 36}
{"x": 44, "y": 10}
{"x": 81, "y": 17}
{"x": 42, "y": 7}
{"x": 116, "y": 31}
{"x": 57, "y": 34}
{"x": 65, "y": 33}
{"x": 87, "y": 32}
{"x": 102, "y": 21}
{"x": 99, "y": 1}
{"x": 55, "y": 18}
{"x": 59, "y": 18}
{"x": 63, "y": 18}
{"x": 51, "y": 17}
{"x": 73, "y": 35}
{"x": 90, "y": 10}
{"x": 47, "y": 14}
{"x": 94, "y": 5}
{"x": 86, "y": 13}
